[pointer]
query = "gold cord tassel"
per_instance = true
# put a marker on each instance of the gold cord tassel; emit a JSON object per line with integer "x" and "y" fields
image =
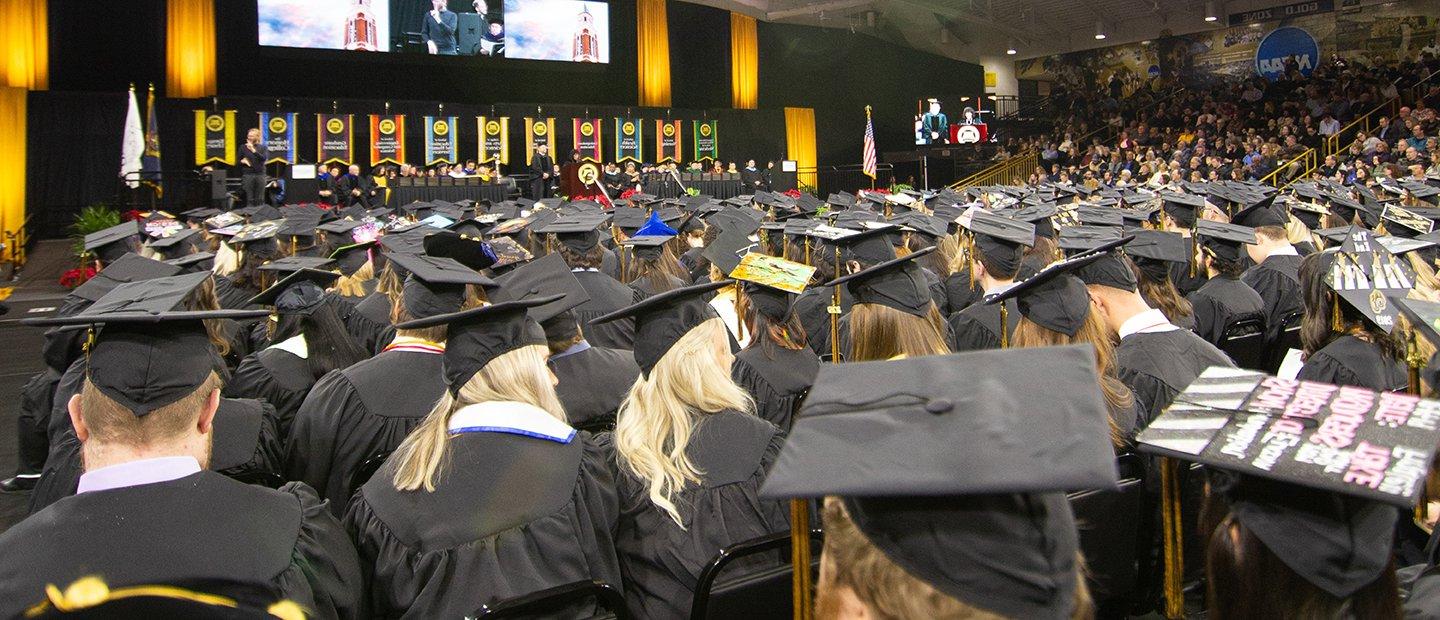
{"x": 1004, "y": 326}
{"x": 800, "y": 558}
{"x": 1171, "y": 530}
{"x": 1337, "y": 322}
{"x": 807, "y": 250}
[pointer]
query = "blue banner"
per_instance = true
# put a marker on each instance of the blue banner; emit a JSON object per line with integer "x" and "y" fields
{"x": 278, "y": 129}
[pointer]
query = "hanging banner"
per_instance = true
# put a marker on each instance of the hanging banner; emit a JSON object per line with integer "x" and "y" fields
{"x": 628, "y": 138}
{"x": 387, "y": 139}
{"x": 335, "y": 143}
{"x": 494, "y": 139}
{"x": 214, "y": 137}
{"x": 667, "y": 141}
{"x": 707, "y": 140}
{"x": 539, "y": 131}
{"x": 278, "y": 131}
{"x": 440, "y": 143}
{"x": 587, "y": 139}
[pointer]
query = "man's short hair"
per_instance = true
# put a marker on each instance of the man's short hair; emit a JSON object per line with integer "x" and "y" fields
{"x": 110, "y": 422}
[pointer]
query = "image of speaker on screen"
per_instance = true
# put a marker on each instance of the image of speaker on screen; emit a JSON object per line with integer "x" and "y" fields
{"x": 482, "y": 33}
{"x": 438, "y": 29}
{"x": 932, "y": 126}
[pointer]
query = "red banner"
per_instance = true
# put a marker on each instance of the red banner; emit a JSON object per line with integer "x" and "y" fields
{"x": 387, "y": 139}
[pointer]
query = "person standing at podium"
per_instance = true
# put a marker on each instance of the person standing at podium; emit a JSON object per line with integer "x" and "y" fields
{"x": 252, "y": 167}
{"x": 541, "y": 170}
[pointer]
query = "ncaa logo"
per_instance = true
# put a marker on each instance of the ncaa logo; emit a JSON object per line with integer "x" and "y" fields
{"x": 1283, "y": 43}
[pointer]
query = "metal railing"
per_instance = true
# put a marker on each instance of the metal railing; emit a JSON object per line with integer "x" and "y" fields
{"x": 1366, "y": 122}
{"x": 17, "y": 242}
{"x": 1013, "y": 171}
{"x": 825, "y": 180}
{"x": 1293, "y": 170}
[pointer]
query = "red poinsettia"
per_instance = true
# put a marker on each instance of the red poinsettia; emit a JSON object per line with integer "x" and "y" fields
{"x": 793, "y": 193}
{"x": 77, "y": 276}
{"x": 134, "y": 215}
{"x": 628, "y": 193}
{"x": 598, "y": 198}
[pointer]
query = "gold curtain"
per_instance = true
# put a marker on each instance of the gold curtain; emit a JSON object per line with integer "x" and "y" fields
{"x": 800, "y": 141}
{"x": 25, "y": 42}
{"x": 12, "y": 164}
{"x": 744, "y": 63}
{"x": 190, "y": 48}
{"x": 652, "y": 29}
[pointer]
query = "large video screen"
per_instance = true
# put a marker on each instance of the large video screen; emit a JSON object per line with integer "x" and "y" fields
{"x": 560, "y": 30}
{"x": 941, "y": 121}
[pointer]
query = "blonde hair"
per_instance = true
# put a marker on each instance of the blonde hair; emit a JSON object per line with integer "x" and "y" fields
{"x": 353, "y": 285}
{"x": 654, "y": 423}
{"x": 519, "y": 376}
{"x": 114, "y": 423}
{"x": 889, "y": 591}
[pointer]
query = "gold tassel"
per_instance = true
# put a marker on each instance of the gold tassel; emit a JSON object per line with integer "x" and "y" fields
{"x": 807, "y": 250}
{"x": 1004, "y": 326}
{"x": 1171, "y": 530}
{"x": 1337, "y": 322}
{"x": 800, "y": 558}
{"x": 1193, "y": 262}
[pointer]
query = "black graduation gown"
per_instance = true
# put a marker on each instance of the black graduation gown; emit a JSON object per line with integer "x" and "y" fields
{"x": 357, "y": 412}
{"x": 959, "y": 293}
{"x": 1277, "y": 280}
{"x": 694, "y": 261}
{"x": 1183, "y": 322}
{"x": 231, "y": 295}
{"x": 1348, "y": 360}
{"x": 778, "y": 378}
{"x": 371, "y": 332}
{"x": 244, "y": 444}
{"x": 1184, "y": 282}
{"x": 1159, "y": 365}
{"x": 811, "y": 308}
{"x": 977, "y": 327}
{"x": 593, "y": 382}
{"x": 610, "y": 263}
{"x": 660, "y": 561}
{"x": 200, "y": 527}
{"x": 644, "y": 288}
{"x": 509, "y": 516}
{"x": 1221, "y": 302}
{"x": 276, "y": 376}
{"x": 606, "y": 295}
{"x": 937, "y": 291}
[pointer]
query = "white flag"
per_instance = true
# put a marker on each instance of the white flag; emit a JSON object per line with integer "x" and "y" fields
{"x": 132, "y": 144}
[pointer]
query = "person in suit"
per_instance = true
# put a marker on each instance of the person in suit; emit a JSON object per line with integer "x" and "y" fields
{"x": 542, "y": 170}
{"x": 330, "y": 192}
{"x": 752, "y": 178}
{"x": 934, "y": 126}
{"x": 356, "y": 189}
{"x": 438, "y": 29}
{"x": 252, "y": 167}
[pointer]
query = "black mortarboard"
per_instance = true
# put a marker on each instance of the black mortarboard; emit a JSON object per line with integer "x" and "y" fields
{"x": 1158, "y": 245}
{"x": 301, "y": 292}
{"x": 1224, "y": 240}
{"x": 407, "y": 242}
{"x": 869, "y": 247}
{"x": 128, "y": 268}
{"x": 1054, "y": 298}
{"x": 628, "y": 218}
{"x": 1184, "y": 208}
{"x": 662, "y": 320}
{"x": 1366, "y": 275}
{"x": 299, "y": 225}
{"x": 1099, "y": 216}
{"x": 1262, "y": 213}
{"x": 199, "y": 214}
{"x": 339, "y": 227}
{"x": 648, "y": 247}
{"x": 547, "y": 277}
{"x": 938, "y": 472}
{"x": 726, "y": 250}
{"x": 1330, "y": 524}
{"x": 1083, "y": 238}
{"x": 479, "y": 335}
{"x": 199, "y": 261}
{"x": 1039, "y": 215}
{"x": 932, "y": 227}
{"x": 469, "y": 251}
{"x": 577, "y": 233}
{"x": 351, "y": 258}
{"x": 1111, "y": 270}
{"x": 1001, "y": 239}
{"x": 181, "y": 242}
{"x": 897, "y": 283}
{"x": 114, "y": 241}
{"x": 436, "y": 285}
{"x": 291, "y": 264}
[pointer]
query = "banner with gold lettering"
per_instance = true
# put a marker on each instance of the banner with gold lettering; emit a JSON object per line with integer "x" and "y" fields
{"x": 629, "y": 137}
{"x": 440, "y": 143}
{"x": 539, "y": 131}
{"x": 587, "y": 139}
{"x": 278, "y": 130}
{"x": 387, "y": 139}
{"x": 494, "y": 139}
{"x": 214, "y": 137}
{"x": 667, "y": 141}
{"x": 336, "y": 141}
{"x": 707, "y": 140}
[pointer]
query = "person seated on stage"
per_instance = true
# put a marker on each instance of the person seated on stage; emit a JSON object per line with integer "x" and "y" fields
{"x": 330, "y": 185}
{"x": 718, "y": 167}
{"x": 486, "y": 173}
{"x": 357, "y": 189}
{"x": 613, "y": 179}
{"x": 632, "y": 175}
{"x": 146, "y": 510}
{"x": 469, "y": 169}
{"x": 689, "y": 451}
{"x": 752, "y": 178}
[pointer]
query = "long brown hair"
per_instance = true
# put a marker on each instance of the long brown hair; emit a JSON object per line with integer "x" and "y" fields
{"x": 879, "y": 333}
{"x": 1157, "y": 289}
{"x": 1118, "y": 398}
{"x": 1327, "y": 317}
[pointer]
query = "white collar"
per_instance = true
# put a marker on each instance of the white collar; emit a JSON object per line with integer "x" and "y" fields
{"x": 295, "y": 346}
{"x": 1285, "y": 250}
{"x": 592, "y": 269}
{"x": 1151, "y": 321}
{"x": 999, "y": 288}
{"x": 136, "y": 473}
{"x": 511, "y": 417}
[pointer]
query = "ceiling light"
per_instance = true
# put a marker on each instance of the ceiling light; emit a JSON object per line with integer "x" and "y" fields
{"x": 1210, "y": 13}
{"x": 1010, "y": 48}
{"x": 1099, "y": 30}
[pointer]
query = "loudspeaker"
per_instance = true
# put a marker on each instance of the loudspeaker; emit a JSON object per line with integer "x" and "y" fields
{"x": 218, "y": 191}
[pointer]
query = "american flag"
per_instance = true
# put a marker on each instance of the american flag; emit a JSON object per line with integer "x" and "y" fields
{"x": 868, "y": 161}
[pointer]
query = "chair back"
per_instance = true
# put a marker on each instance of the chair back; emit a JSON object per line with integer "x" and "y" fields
{"x": 367, "y": 470}
{"x": 561, "y": 601}
{"x": 1244, "y": 342}
{"x": 1110, "y": 527}
{"x": 1288, "y": 337}
{"x": 763, "y": 593}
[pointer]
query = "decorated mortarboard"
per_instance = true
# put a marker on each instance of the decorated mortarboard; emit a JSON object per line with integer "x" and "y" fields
{"x": 1312, "y": 466}
{"x": 1224, "y": 240}
{"x": 175, "y": 239}
{"x": 1083, "y": 238}
{"x": 937, "y": 471}
{"x": 647, "y": 247}
{"x": 662, "y": 320}
{"x": 769, "y": 283}
{"x": 508, "y": 252}
{"x": 898, "y": 283}
{"x": 1403, "y": 222}
{"x": 223, "y": 220}
{"x": 476, "y": 336}
{"x": 1054, "y": 298}
{"x": 291, "y": 264}
{"x": 257, "y": 231}
{"x": 437, "y": 220}
{"x": 469, "y": 251}
{"x": 350, "y": 258}
{"x": 301, "y": 292}
{"x": 127, "y": 268}
{"x": 655, "y": 226}
{"x": 1403, "y": 245}
{"x": 1366, "y": 276}
{"x": 436, "y": 285}
{"x": 545, "y": 277}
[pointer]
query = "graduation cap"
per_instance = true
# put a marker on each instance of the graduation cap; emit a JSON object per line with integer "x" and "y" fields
{"x": 738, "y": 220}
{"x": 1038, "y": 215}
{"x": 301, "y": 292}
{"x": 628, "y": 218}
{"x": 258, "y": 231}
{"x": 127, "y": 268}
{"x": 1403, "y": 245}
{"x": 1327, "y": 520}
{"x": 1261, "y": 213}
{"x": 148, "y": 355}
{"x": 262, "y": 212}
{"x": 656, "y": 227}
{"x": 1110, "y": 269}
{"x": 726, "y": 250}
{"x": 469, "y": 251}
{"x": 339, "y": 227}
{"x": 199, "y": 214}
{"x": 898, "y": 283}
{"x": 648, "y": 247}
{"x": 871, "y": 246}
{"x": 1406, "y": 223}
{"x": 1099, "y": 216}
{"x": 507, "y": 253}
{"x": 1366, "y": 276}
{"x": 299, "y": 225}
{"x": 1054, "y": 298}
{"x": 769, "y": 282}
{"x": 937, "y": 471}
{"x": 180, "y": 242}
{"x": 1309, "y": 213}
{"x": 1223, "y": 240}
{"x": 1184, "y": 208}
{"x": 578, "y": 233}
{"x": 477, "y": 336}
{"x": 662, "y": 320}
{"x": 547, "y": 277}
{"x": 199, "y": 261}
{"x": 114, "y": 241}
{"x": 930, "y": 226}
{"x": 1345, "y": 208}
{"x": 1084, "y": 238}
{"x": 407, "y": 242}
{"x": 350, "y": 258}
{"x": 1158, "y": 245}
{"x": 436, "y": 285}
{"x": 291, "y": 264}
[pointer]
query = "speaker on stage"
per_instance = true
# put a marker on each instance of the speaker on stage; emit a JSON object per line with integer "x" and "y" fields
{"x": 782, "y": 179}
{"x": 218, "y": 191}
